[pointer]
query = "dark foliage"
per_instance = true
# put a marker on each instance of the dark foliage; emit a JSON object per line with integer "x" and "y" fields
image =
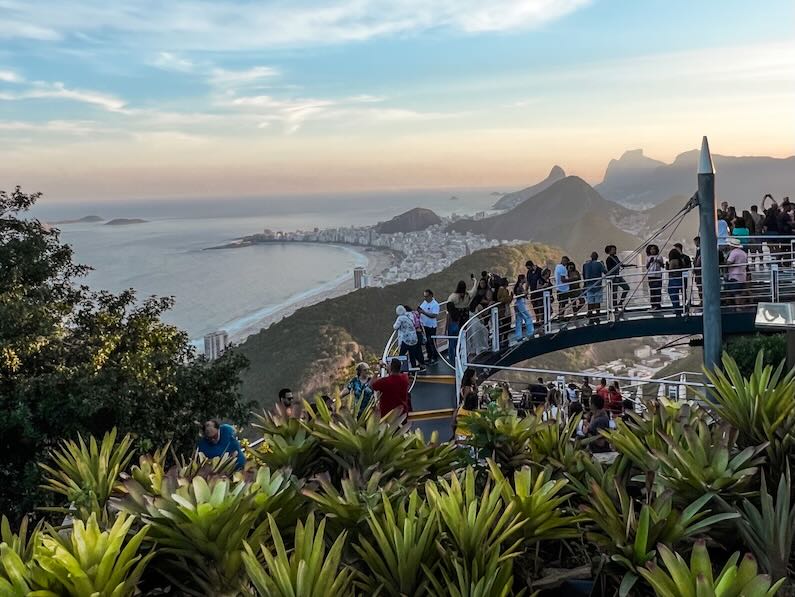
{"x": 77, "y": 361}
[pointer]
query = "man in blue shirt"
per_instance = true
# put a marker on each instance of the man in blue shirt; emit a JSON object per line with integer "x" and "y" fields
{"x": 562, "y": 285}
{"x": 219, "y": 440}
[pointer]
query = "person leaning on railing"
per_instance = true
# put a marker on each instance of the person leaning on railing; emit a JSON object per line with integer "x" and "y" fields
{"x": 458, "y": 313}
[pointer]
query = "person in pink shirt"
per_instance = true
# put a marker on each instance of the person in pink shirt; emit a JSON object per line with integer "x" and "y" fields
{"x": 736, "y": 270}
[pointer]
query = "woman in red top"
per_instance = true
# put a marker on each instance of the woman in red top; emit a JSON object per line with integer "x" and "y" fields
{"x": 615, "y": 401}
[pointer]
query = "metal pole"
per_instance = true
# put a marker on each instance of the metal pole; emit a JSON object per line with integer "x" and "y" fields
{"x": 710, "y": 276}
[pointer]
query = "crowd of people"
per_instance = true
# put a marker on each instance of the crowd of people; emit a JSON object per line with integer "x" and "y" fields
{"x": 598, "y": 406}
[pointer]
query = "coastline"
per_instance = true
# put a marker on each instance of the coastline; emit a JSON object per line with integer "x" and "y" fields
{"x": 375, "y": 260}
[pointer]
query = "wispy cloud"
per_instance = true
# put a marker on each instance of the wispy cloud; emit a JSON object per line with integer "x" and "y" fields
{"x": 233, "y": 78}
{"x": 172, "y": 62}
{"x": 197, "y": 24}
{"x": 41, "y": 90}
{"x": 73, "y": 127}
{"x": 9, "y": 76}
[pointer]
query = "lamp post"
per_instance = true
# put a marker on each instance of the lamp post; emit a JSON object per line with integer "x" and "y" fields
{"x": 710, "y": 275}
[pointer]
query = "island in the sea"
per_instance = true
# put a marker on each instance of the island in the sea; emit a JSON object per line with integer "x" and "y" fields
{"x": 125, "y": 222}
{"x": 83, "y": 220}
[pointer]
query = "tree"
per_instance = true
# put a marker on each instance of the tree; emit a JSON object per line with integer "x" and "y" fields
{"x": 744, "y": 350}
{"x": 73, "y": 360}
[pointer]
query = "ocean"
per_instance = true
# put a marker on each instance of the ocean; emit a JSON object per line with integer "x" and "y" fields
{"x": 231, "y": 289}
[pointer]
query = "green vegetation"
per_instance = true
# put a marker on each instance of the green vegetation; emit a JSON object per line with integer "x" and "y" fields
{"x": 74, "y": 361}
{"x": 372, "y": 508}
{"x": 744, "y": 350}
{"x": 304, "y": 350}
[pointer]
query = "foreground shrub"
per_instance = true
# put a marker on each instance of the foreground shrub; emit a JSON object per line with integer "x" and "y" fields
{"x": 88, "y": 474}
{"x": 88, "y": 561}
{"x": 760, "y": 407}
{"x": 201, "y": 525}
{"x": 629, "y": 539}
{"x": 697, "y": 579}
{"x": 404, "y": 540}
{"x": 308, "y": 570}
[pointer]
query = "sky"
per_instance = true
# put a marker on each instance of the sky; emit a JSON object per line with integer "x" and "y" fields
{"x": 198, "y": 98}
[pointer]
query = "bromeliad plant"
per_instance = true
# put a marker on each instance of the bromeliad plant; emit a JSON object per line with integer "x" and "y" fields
{"x": 89, "y": 561}
{"x": 308, "y": 570}
{"x": 200, "y": 525}
{"x": 88, "y": 474}
{"x": 769, "y": 530}
{"x": 19, "y": 573}
{"x": 403, "y": 541}
{"x": 541, "y": 503}
{"x": 697, "y": 579}
{"x": 760, "y": 408}
{"x": 480, "y": 533}
{"x": 628, "y": 532}
{"x": 287, "y": 443}
{"x": 500, "y": 434}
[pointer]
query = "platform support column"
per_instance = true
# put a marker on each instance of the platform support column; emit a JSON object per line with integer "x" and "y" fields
{"x": 710, "y": 274}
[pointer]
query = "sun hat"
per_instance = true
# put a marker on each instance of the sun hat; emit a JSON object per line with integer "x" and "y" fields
{"x": 734, "y": 242}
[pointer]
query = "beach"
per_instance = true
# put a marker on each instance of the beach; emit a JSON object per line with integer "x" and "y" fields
{"x": 375, "y": 260}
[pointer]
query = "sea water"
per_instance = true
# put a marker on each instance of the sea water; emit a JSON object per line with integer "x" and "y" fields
{"x": 230, "y": 289}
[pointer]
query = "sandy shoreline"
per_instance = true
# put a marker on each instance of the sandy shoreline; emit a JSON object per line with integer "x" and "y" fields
{"x": 378, "y": 261}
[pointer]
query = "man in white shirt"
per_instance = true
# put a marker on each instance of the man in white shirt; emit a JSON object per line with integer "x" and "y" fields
{"x": 429, "y": 317}
{"x": 561, "y": 284}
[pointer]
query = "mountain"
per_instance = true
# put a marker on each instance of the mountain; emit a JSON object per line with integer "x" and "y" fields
{"x": 413, "y": 220}
{"x": 511, "y": 200}
{"x": 306, "y": 351}
{"x": 125, "y": 222}
{"x": 568, "y": 214}
{"x": 638, "y": 181}
{"x": 84, "y": 219}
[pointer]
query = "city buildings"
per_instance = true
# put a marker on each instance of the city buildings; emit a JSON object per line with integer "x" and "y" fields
{"x": 215, "y": 343}
{"x": 360, "y": 277}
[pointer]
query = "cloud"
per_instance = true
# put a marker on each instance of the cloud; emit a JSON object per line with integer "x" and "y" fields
{"x": 172, "y": 62}
{"x": 245, "y": 25}
{"x": 41, "y": 90}
{"x": 232, "y": 78}
{"x": 74, "y": 127}
{"x": 9, "y": 76}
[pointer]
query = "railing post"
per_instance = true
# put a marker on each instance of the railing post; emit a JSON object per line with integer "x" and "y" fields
{"x": 547, "y": 312}
{"x": 774, "y": 282}
{"x": 495, "y": 329}
{"x": 611, "y": 314}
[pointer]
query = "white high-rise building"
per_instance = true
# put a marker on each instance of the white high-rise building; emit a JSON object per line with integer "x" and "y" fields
{"x": 215, "y": 344}
{"x": 359, "y": 277}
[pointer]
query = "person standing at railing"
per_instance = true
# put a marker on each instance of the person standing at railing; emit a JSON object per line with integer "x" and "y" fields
{"x": 483, "y": 295}
{"x": 757, "y": 219}
{"x": 654, "y": 273}
{"x": 523, "y": 317}
{"x": 576, "y": 298}
{"x": 561, "y": 285}
{"x": 593, "y": 271}
{"x": 675, "y": 267}
{"x": 407, "y": 338}
{"x": 533, "y": 277}
{"x": 736, "y": 272}
{"x": 458, "y": 313}
{"x": 429, "y": 317}
{"x": 740, "y": 231}
{"x": 503, "y": 300}
{"x": 614, "y": 267}
{"x": 687, "y": 265}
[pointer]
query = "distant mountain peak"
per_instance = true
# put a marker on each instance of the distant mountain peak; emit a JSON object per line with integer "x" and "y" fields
{"x": 511, "y": 200}
{"x": 413, "y": 220}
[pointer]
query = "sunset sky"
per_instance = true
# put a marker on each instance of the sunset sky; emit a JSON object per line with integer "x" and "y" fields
{"x": 138, "y": 98}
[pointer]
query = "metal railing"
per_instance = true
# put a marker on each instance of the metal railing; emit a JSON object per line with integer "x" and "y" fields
{"x": 769, "y": 276}
{"x": 630, "y": 294}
